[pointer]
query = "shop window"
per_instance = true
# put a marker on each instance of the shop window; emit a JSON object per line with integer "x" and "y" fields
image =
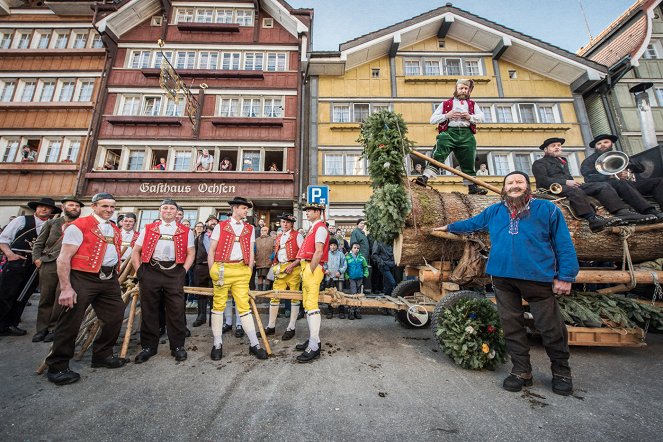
{"x": 274, "y": 161}
{"x": 227, "y": 160}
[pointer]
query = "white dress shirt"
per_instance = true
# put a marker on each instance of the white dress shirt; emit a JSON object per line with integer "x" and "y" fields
{"x": 127, "y": 237}
{"x": 9, "y": 233}
{"x": 282, "y": 254}
{"x": 165, "y": 250}
{"x": 237, "y": 226}
{"x": 73, "y": 235}
{"x": 461, "y": 106}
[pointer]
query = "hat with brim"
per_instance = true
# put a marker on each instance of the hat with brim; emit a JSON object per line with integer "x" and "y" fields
{"x": 73, "y": 199}
{"x": 549, "y": 141}
{"x": 48, "y": 202}
{"x": 239, "y": 201}
{"x": 288, "y": 217}
{"x": 314, "y": 206}
{"x": 598, "y": 138}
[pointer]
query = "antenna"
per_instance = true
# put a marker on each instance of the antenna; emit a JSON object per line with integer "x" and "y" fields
{"x": 584, "y": 16}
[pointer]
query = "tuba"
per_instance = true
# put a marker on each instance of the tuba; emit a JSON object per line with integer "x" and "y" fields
{"x": 611, "y": 162}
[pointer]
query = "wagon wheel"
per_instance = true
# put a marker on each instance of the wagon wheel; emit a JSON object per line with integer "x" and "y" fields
{"x": 446, "y": 302}
{"x": 413, "y": 317}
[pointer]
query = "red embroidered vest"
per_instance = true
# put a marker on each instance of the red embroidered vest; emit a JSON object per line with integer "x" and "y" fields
{"x": 90, "y": 253}
{"x": 291, "y": 246}
{"x": 227, "y": 238}
{"x": 447, "y": 106}
{"x": 308, "y": 248}
{"x": 152, "y": 234}
{"x": 133, "y": 240}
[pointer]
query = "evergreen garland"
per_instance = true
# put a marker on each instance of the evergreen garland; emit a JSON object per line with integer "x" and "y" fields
{"x": 383, "y": 135}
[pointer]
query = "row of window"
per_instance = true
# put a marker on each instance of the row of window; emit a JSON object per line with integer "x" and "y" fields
{"x": 240, "y": 16}
{"x": 40, "y": 149}
{"x": 468, "y": 67}
{"x": 45, "y": 90}
{"x": 49, "y": 39}
{"x": 223, "y": 60}
{"x": 161, "y": 105}
{"x": 187, "y": 159}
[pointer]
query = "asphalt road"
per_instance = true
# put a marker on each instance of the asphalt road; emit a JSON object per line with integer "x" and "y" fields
{"x": 375, "y": 381}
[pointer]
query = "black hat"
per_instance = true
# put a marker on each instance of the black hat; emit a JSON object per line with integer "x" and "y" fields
{"x": 239, "y": 201}
{"x": 72, "y": 198}
{"x": 517, "y": 172}
{"x": 314, "y": 206}
{"x": 48, "y": 202}
{"x": 169, "y": 202}
{"x": 550, "y": 141}
{"x": 102, "y": 196}
{"x": 288, "y": 217}
{"x": 130, "y": 215}
{"x": 598, "y": 138}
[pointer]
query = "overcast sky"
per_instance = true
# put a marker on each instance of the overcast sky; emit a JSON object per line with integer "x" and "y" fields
{"x": 558, "y": 22}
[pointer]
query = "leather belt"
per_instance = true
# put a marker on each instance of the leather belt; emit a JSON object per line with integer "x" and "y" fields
{"x": 233, "y": 262}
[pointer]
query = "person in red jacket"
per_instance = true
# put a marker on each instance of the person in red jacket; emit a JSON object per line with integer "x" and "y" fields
{"x": 230, "y": 259}
{"x": 312, "y": 255}
{"x": 88, "y": 273}
{"x": 456, "y": 120}
{"x": 162, "y": 254}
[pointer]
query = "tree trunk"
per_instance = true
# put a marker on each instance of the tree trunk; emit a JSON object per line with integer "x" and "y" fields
{"x": 431, "y": 208}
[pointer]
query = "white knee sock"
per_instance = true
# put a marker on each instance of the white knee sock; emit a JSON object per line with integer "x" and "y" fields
{"x": 228, "y": 312}
{"x": 294, "y": 312}
{"x": 249, "y": 328}
{"x": 273, "y": 313}
{"x": 314, "y": 320}
{"x": 217, "y": 328}
{"x": 237, "y": 317}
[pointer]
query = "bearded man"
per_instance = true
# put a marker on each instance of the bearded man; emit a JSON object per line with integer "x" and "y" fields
{"x": 456, "y": 120}
{"x": 532, "y": 258}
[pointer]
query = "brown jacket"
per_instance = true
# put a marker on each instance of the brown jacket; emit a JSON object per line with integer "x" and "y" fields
{"x": 264, "y": 248}
{"x": 49, "y": 242}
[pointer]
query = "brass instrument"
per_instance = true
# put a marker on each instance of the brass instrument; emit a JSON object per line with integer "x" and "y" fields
{"x": 611, "y": 162}
{"x": 555, "y": 188}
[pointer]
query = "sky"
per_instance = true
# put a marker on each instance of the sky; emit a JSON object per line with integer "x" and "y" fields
{"x": 558, "y": 22}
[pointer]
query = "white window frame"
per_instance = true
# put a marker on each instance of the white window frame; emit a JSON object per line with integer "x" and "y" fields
{"x": 354, "y": 112}
{"x": 158, "y": 58}
{"x": 124, "y": 164}
{"x": 23, "y": 84}
{"x": 37, "y": 39}
{"x": 78, "y": 94}
{"x": 55, "y": 42}
{"x": 221, "y": 109}
{"x": 136, "y": 105}
{"x": 436, "y": 65}
{"x": 75, "y": 39}
{"x": 204, "y": 15}
{"x": 188, "y": 59}
{"x": 173, "y": 108}
{"x": 240, "y": 158}
{"x": 464, "y": 62}
{"x": 412, "y": 63}
{"x": 273, "y": 107}
{"x": 344, "y": 163}
{"x": 6, "y": 38}
{"x": 224, "y": 15}
{"x": 492, "y": 165}
{"x": 244, "y": 17}
{"x": 446, "y": 68}
{"x": 42, "y": 86}
{"x": 254, "y": 106}
{"x": 184, "y": 15}
{"x": 4, "y": 85}
{"x": 234, "y": 61}
{"x": 157, "y": 106}
{"x": 514, "y": 114}
{"x": 22, "y": 39}
{"x": 61, "y": 87}
{"x": 96, "y": 42}
{"x": 209, "y": 55}
{"x": 280, "y": 62}
{"x": 519, "y": 106}
{"x": 173, "y": 159}
{"x": 334, "y": 106}
{"x": 139, "y": 59}
{"x": 251, "y": 61}
{"x": 69, "y": 148}
{"x": 7, "y": 150}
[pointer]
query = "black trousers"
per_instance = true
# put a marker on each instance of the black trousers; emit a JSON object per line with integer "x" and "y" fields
{"x": 630, "y": 195}
{"x": 155, "y": 283}
{"x": 202, "y": 278}
{"x": 106, "y": 299}
{"x": 650, "y": 187}
{"x": 49, "y": 290}
{"x": 547, "y": 318}
{"x": 604, "y": 192}
{"x": 14, "y": 276}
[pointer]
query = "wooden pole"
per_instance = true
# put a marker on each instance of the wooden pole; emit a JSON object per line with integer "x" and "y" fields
{"x": 616, "y": 277}
{"x": 260, "y": 327}
{"x": 130, "y": 323}
{"x": 475, "y": 180}
{"x": 647, "y": 228}
{"x": 447, "y": 235}
{"x": 92, "y": 333}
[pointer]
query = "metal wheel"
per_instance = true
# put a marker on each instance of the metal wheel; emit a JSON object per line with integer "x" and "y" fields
{"x": 414, "y": 317}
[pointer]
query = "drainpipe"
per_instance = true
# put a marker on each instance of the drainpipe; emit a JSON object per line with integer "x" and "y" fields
{"x": 646, "y": 117}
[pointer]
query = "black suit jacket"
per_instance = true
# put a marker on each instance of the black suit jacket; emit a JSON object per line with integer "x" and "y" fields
{"x": 549, "y": 170}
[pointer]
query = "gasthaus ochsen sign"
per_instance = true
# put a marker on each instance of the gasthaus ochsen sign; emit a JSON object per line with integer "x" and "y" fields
{"x": 200, "y": 188}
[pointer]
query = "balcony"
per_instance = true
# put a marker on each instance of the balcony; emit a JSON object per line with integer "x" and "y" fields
{"x": 131, "y": 120}
{"x": 245, "y": 122}
{"x": 208, "y": 73}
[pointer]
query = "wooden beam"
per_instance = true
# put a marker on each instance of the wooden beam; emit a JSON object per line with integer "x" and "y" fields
{"x": 616, "y": 276}
{"x": 646, "y": 228}
{"x": 501, "y": 48}
{"x": 444, "y": 27}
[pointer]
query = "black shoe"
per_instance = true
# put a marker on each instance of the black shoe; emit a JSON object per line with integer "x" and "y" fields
{"x": 598, "y": 223}
{"x": 516, "y": 383}
{"x": 12, "y": 330}
{"x": 562, "y": 385}
{"x": 162, "y": 331}
{"x": 40, "y": 336}
{"x": 49, "y": 337}
{"x": 303, "y": 346}
{"x": 258, "y": 352}
{"x": 330, "y": 313}
{"x": 179, "y": 353}
{"x": 357, "y": 313}
{"x": 656, "y": 213}
{"x": 226, "y": 328}
{"x": 422, "y": 180}
{"x": 286, "y": 314}
{"x": 301, "y": 313}
{"x": 473, "y": 189}
{"x": 308, "y": 355}
{"x": 216, "y": 353}
{"x": 288, "y": 335}
{"x": 187, "y": 333}
{"x": 351, "y": 314}
{"x": 64, "y": 377}
{"x": 198, "y": 322}
{"x": 633, "y": 218}
{"x": 270, "y": 331}
{"x": 109, "y": 362}
{"x": 239, "y": 332}
{"x": 144, "y": 355}
{"x": 341, "y": 313}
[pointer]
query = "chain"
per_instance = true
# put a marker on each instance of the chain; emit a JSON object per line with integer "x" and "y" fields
{"x": 658, "y": 294}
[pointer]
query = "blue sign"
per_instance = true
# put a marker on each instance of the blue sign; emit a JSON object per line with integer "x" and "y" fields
{"x": 317, "y": 195}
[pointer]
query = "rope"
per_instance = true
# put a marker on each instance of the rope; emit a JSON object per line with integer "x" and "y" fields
{"x": 625, "y": 233}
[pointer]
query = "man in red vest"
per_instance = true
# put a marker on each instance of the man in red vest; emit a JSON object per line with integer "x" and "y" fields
{"x": 129, "y": 234}
{"x": 313, "y": 254}
{"x": 287, "y": 273}
{"x": 457, "y": 120}
{"x": 162, "y": 254}
{"x": 230, "y": 259}
{"x": 88, "y": 270}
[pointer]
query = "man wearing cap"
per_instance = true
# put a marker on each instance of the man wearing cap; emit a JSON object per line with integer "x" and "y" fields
{"x": 88, "y": 267}
{"x": 287, "y": 273}
{"x": 456, "y": 120}
{"x": 201, "y": 270}
{"x": 553, "y": 168}
{"x": 231, "y": 258}
{"x": 129, "y": 234}
{"x": 313, "y": 255}
{"x": 532, "y": 258}
{"x": 18, "y": 279}
{"x": 162, "y": 254}
{"x": 630, "y": 191}
{"x": 45, "y": 252}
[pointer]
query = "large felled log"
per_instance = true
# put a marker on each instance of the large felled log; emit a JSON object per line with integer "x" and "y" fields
{"x": 431, "y": 208}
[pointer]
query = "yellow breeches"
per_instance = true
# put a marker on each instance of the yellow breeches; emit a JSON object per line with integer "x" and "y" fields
{"x": 311, "y": 285}
{"x": 285, "y": 281}
{"x": 236, "y": 277}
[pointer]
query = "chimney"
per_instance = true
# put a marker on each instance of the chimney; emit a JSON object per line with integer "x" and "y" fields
{"x": 646, "y": 116}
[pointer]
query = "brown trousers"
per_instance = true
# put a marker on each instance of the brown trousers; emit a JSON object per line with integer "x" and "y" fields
{"x": 49, "y": 290}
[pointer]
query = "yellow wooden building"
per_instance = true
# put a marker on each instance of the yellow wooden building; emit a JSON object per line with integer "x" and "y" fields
{"x": 528, "y": 90}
